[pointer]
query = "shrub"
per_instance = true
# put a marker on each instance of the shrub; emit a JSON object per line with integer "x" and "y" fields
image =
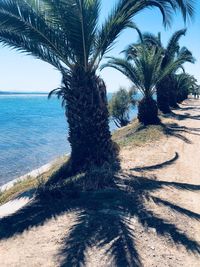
{"x": 120, "y": 105}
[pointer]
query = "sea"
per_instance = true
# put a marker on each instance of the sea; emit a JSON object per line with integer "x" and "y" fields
{"x": 33, "y": 132}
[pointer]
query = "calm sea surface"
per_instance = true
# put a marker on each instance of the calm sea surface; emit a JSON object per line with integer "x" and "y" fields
{"x": 33, "y": 131}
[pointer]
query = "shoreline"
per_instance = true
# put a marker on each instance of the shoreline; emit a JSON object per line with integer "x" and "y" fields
{"x": 32, "y": 174}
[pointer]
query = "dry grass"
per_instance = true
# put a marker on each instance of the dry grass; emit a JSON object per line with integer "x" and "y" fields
{"x": 18, "y": 188}
{"x": 30, "y": 183}
{"x": 135, "y": 134}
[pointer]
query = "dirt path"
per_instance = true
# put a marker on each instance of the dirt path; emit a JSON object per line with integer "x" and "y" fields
{"x": 183, "y": 149}
{"x": 172, "y": 200}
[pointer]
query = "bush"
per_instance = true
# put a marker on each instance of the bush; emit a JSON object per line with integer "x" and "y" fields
{"x": 120, "y": 104}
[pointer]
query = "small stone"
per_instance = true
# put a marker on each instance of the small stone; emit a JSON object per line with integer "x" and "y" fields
{"x": 153, "y": 230}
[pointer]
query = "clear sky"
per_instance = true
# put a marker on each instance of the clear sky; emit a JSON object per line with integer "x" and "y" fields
{"x": 19, "y": 72}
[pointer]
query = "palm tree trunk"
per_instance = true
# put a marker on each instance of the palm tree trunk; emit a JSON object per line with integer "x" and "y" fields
{"x": 88, "y": 119}
{"x": 173, "y": 99}
{"x": 148, "y": 111}
{"x": 182, "y": 96}
{"x": 173, "y": 93}
{"x": 163, "y": 96}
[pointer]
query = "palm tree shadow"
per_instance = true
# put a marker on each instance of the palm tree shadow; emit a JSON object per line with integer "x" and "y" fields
{"x": 175, "y": 130}
{"x": 185, "y": 116}
{"x": 186, "y": 108}
{"x": 107, "y": 225}
{"x": 103, "y": 219}
{"x": 157, "y": 166}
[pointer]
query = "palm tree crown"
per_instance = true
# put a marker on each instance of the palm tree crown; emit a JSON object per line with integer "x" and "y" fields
{"x": 166, "y": 95}
{"x": 184, "y": 85}
{"x": 143, "y": 66}
{"x": 65, "y": 33}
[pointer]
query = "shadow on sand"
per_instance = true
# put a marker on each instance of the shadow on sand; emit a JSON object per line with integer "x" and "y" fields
{"x": 186, "y": 115}
{"x": 157, "y": 166}
{"x": 175, "y": 130}
{"x": 104, "y": 216}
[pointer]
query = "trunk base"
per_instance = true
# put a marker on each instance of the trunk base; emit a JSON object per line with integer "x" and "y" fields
{"x": 163, "y": 96}
{"x": 148, "y": 111}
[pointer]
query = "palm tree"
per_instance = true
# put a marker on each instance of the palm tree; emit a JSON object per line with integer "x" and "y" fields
{"x": 144, "y": 69}
{"x": 184, "y": 85}
{"x": 68, "y": 35}
{"x": 166, "y": 96}
{"x": 173, "y": 100}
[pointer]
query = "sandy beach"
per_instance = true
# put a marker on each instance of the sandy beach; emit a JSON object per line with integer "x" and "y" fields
{"x": 172, "y": 162}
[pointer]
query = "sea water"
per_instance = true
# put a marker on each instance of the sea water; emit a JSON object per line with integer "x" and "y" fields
{"x": 33, "y": 132}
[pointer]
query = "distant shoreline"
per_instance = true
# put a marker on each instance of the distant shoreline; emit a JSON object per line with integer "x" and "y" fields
{"x": 22, "y": 93}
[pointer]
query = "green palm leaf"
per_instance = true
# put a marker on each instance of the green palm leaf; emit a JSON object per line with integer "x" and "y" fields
{"x": 69, "y": 28}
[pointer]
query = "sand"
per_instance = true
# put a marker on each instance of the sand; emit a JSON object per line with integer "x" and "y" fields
{"x": 177, "y": 160}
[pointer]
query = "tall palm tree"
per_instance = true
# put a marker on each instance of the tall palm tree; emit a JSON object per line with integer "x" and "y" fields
{"x": 144, "y": 69}
{"x": 68, "y": 35}
{"x": 166, "y": 96}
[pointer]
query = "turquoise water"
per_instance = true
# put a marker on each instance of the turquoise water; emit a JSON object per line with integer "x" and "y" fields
{"x": 33, "y": 131}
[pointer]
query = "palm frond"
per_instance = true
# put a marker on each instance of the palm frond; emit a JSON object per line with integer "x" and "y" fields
{"x": 69, "y": 28}
{"x": 125, "y": 68}
{"x": 25, "y": 45}
{"x": 18, "y": 17}
{"x": 79, "y": 20}
{"x": 143, "y": 70}
{"x": 186, "y": 55}
{"x": 151, "y": 39}
{"x": 174, "y": 65}
{"x": 173, "y": 46}
{"x": 186, "y": 7}
{"x": 119, "y": 20}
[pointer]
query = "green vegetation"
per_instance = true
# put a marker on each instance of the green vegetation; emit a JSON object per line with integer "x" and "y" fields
{"x": 143, "y": 67}
{"x": 69, "y": 36}
{"x": 184, "y": 84}
{"x": 120, "y": 104}
{"x": 166, "y": 92}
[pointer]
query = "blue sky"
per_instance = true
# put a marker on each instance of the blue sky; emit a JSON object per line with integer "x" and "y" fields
{"x": 19, "y": 72}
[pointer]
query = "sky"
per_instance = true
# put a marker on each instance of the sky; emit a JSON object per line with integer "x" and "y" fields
{"x": 19, "y": 72}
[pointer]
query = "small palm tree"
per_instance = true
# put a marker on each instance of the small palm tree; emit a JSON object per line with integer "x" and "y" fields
{"x": 144, "y": 69}
{"x": 67, "y": 34}
{"x": 166, "y": 95}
